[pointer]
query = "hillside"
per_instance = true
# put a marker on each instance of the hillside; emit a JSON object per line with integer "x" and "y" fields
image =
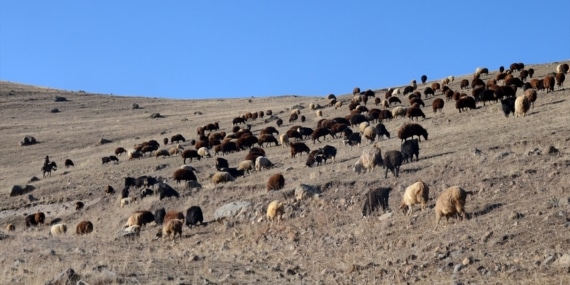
{"x": 518, "y": 169}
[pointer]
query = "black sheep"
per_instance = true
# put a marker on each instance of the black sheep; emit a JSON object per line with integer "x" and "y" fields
{"x": 146, "y": 192}
{"x": 159, "y": 216}
{"x": 382, "y": 131}
{"x": 125, "y": 192}
{"x": 221, "y": 163}
{"x": 234, "y": 172}
{"x": 69, "y": 163}
{"x": 424, "y": 79}
{"x": 374, "y": 199}
{"x": 409, "y": 149}
{"x": 328, "y": 152}
{"x": 166, "y": 191}
{"x": 194, "y": 216}
{"x": 392, "y": 161}
{"x": 508, "y": 106}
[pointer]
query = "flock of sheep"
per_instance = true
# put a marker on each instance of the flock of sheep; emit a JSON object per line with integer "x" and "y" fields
{"x": 361, "y": 123}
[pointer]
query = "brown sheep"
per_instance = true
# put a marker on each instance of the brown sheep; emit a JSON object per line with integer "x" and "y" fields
{"x": 173, "y": 215}
{"x": 172, "y": 227}
{"x": 109, "y": 190}
{"x": 548, "y": 83}
{"x": 355, "y": 91}
{"x": 467, "y": 102}
{"x": 10, "y": 227}
{"x": 120, "y": 150}
{"x": 79, "y": 205}
{"x": 415, "y": 112}
{"x": 560, "y": 79}
{"x": 450, "y": 202}
{"x": 464, "y": 84}
{"x": 35, "y": 219}
{"x": 437, "y": 104}
{"x": 320, "y": 132}
{"x": 191, "y": 154}
{"x": 84, "y": 227}
{"x": 531, "y": 95}
{"x": 417, "y": 193}
{"x": 292, "y": 118}
{"x": 537, "y": 84}
{"x": 275, "y": 182}
{"x": 183, "y": 174}
{"x": 411, "y": 130}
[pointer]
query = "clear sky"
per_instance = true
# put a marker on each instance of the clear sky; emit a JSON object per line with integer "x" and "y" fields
{"x": 229, "y": 49}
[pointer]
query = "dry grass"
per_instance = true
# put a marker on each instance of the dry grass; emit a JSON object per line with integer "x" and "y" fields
{"x": 519, "y": 214}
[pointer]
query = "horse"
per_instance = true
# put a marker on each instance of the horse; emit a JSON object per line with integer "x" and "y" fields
{"x": 48, "y": 167}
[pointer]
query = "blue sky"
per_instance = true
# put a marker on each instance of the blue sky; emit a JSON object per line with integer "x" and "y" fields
{"x": 231, "y": 49}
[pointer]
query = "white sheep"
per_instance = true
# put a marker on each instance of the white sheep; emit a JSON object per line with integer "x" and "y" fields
{"x": 262, "y": 162}
{"x": 127, "y": 201}
{"x": 222, "y": 177}
{"x": 134, "y": 219}
{"x": 312, "y": 106}
{"x": 319, "y": 113}
{"x": 450, "y": 202}
{"x": 246, "y": 166}
{"x": 338, "y": 105}
{"x": 370, "y": 133}
{"x": 136, "y": 229}
{"x": 176, "y": 150}
{"x": 385, "y": 104}
{"x": 451, "y": 78}
{"x": 275, "y": 209}
{"x": 370, "y": 158}
{"x": 295, "y": 111}
{"x": 284, "y": 140}
{"x": 204, "y": 152}
{"x": 522, "y": 105}
{"x": 363, "y": 126}
{"x": 396, "y": 91}
{"x": 417, "y": 193}
{"x": 58, "y": 229}
{"x": 399, "y": 111}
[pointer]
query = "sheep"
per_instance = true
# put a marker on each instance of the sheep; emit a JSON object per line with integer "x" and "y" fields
{"x": 531, "y": 95}
{"x": 35, "y": 219}
{"x": 394, "y": 100}
{"x": 466, "y": 102}
{"x": 222, "y": 177}
{"x": 370, "y": 133}
{"x": 79, "y": 205}
{"x": 437, "y": 104}
{"x": 548, "y": 83}
{"x": 58, "y": 229}
{"x": 410, "y": 148}
{"x": 191, "y": 154}
{"x": 352, "y": 139}
{"x": 450, "y": 202}
{"x": 415, "y": 112}
{"x": 177, "y": 138}
{"x": 435, "y": 86}
{"x": 522, "y": 105}
{"x": 262, "y": 162}
{"x": 133, "y": 154}
{"x": 410, "y": 130}
{"x": 382, "y": 131}
{"x": 162, "y": 152}
{"x": 444, "y": 81}
{"x": 408, "y": 89}
{"x": 424, "y": 79}
{"x": 246, "y": 166}
{"x": 417, "y": 193}
{"x": 127, "y": 201}
{"x": 173, "y": 215}
{"x": 275, "y": 210}
{"x": 298, "y": 148}
{"x": 159, "y": 216}
{"x": 84, "y": 227}
{"x": 267, "y": 139}
{"x": 204, "y": 152}
{"x": 368, "y": 160}
{"x": 562, "y": 68}
{"x": 284, "y": 140}
{"x": 338, "y": 105}
{"x": 328, "y": 152}
{"x": 172, "y": 227}
{"x": 560, "y": 79}
{"x": 109, "y": 190}
{"x": 376, "y": 198}
{"x": 69, "y": 163}
{"x": 392, "y": 161}
{"x": 134, "y": 230}
{"x": 10, "y": 227}
{"x": 399, "y": 111}
{"x": 183, "y": 174}
{"x": 319, "y": 113}
{"x": 120, "y": 150}
{"x": 194, "y": 216}
{"x": 481, "y": 70}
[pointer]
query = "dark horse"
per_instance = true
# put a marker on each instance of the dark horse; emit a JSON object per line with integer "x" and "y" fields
{"x": 48, "y": 167}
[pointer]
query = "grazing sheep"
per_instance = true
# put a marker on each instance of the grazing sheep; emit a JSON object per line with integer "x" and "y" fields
{"x": 409, "y": 130}
{"x": 267, "y": 139}
{"x": 183, "y": 174}
{"x": 465, "y": 103}
{"x": 284, "y": 140}
{"x": 298, "y": 148}
{"x": 374, "y": 199}
{"x": 194, "y": 216}
{"x": 120, "y": 150}
{"x": 392, "y": 161}
{"x": 417, "y": 193}
{"x": 275, "y": 182}
{"x": 531, "y": 95}
{"x": 338, "y": 105}
{"x": 69, "y": 163}
{"x": 414, "y": 112}
{"x": 435, "y": 86}
{"x": 275, "y": 209}
{"x": 172, "y": 227}
{"x": 382, "y": 131}
{"x": 221, "y": 163}
{"x": 262, "y": 162}
{"x": 84, "y": 227}
{"x": 562, "y": 68}
{"x": 399, "y": 111}
{"x": 127, "y": 201}
{"x": 173, "y": 215}
{"x": 437, "y": 104}
{"x": 58, "y": 229}
{"x": 10, "y": 227}
{"x": 191, "y": 154}
{"x": 35, "y": 219}
{"x": 522, "y": 105}
{"x": 165, "y": 141}
{"x": 109, "y": 190}
{"x": 394, "y": 100}
{"x": 370, "y": 133}
{"x": 320, "y": 132}
{"x": 159, "y": 216}
{"x": 410, "y": 148}
{"x": 162, "y": 152}
{"x": 548, "y": 83}
{"x": 133, "y": 155}
{"x": 560, "y": 77}
{"x": 451, "y": 202}
{"x": 222, "y": 177}
{"x": 246, "y": 166}
{"x": 368, "y": 160}
{"x": 177, "y": 138}
{"x": 352, "y": 139}
{"x": 464, "y": 84}
{"x": 204, "y": 152}
{"x": 481, "y": 70}
{"x": 79, "y": 205}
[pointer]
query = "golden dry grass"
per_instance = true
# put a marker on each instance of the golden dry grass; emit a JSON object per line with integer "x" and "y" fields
{"x": 519, "y": 214}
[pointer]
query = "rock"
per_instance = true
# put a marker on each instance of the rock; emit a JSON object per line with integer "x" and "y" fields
{"x": 105, "y": 141}
{"x": 466, "y": 261}
{"x": 81, "y": 282}
{"x": 197, "y": 113}
{"x": 487, "y": 235}
{"x": 3, "y": 236}
{"x": 457, "y": 268}
{"x": 59, "y": 99}
{"x": 553, "y": 151}
{"x": 55, "y": 110}
{"x": 21, "y": 190}
{"x": 305, "y": 191}
{"x": 515, "y": 215}
{"x": 135, "y": 106}
{"x": 232, "y": 209}
{"x": 155, "y": 115}
{"x": 34, "y": 179}
{"x": 28, "y": 140}
{"x": 192, "y": 184}
{"x": 385, "y": 216}
{"x": 66, "y": 277}
{"x": 161, "y": 166}
{"x": 31, "y": 198}
{"x": 477, "y": 151}
{"x": 548, "y": 260}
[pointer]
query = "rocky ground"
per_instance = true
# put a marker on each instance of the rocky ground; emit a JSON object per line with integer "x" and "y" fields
{"x": 518, "y": 231}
